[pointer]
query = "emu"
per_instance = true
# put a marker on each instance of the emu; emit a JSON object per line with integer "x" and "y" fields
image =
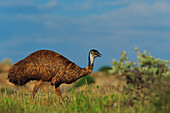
{"x": 49, "y": 66}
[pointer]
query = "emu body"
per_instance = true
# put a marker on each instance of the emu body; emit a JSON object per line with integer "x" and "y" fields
{"x": 48, "y": 66}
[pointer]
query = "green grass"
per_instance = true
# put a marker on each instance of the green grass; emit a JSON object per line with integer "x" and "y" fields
{"x": 84, "y": 80}
{"x": 105, "y": 69}
{"x": 92, "y": 99}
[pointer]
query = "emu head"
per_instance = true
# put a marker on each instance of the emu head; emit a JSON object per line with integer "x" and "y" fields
{"x": 92, "y": 55}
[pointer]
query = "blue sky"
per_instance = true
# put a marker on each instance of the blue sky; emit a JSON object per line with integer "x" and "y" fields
{"x": 73, "y": 27}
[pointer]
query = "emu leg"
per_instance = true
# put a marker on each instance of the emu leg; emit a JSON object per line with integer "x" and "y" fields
{"x": 36, "y": 87}
{"x": 57, "y": 89}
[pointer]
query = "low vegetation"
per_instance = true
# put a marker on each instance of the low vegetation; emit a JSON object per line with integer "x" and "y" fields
{"x": 85, "y": 80}
{"x": 142, "y": 73}
{"x": 5, "y": 64}
{"x": 105, "y": 69}
{"x": 92, "y": 99}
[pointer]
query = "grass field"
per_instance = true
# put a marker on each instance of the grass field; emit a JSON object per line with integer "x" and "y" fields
{"x": 95, "y": 98}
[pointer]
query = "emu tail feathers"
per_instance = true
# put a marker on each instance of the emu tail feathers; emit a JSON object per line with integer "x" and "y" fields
{"x": 17, "y": 77}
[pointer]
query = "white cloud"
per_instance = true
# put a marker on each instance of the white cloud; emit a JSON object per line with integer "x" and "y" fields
{"x": 50, "y": 4}
{"x": 10, "y": 3}
{"x": 48, "y": 40}
{"x": 13, "y": 42}
{"x": 137, "y": 15}
{"x": 162, "y": 7}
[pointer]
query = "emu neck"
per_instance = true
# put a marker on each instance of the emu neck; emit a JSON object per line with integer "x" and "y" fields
{"x": 91, "y": 60}
{"x": 89, "y": 68}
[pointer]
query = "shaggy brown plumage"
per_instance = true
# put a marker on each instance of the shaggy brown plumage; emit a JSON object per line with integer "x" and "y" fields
{"x": 48, "y": 66}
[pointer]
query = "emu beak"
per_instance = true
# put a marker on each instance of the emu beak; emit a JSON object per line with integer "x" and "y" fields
{"x": 99, "y": 54}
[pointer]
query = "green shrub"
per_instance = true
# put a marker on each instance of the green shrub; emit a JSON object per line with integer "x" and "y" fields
{"x": 6, "y": 61}
{"x": 85, "y": 80}
{"x": 143, "y": 72}
{"x": 5, "y": 64}
{"x": 161, "y": 96}
{"x": 105, "y": 69}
